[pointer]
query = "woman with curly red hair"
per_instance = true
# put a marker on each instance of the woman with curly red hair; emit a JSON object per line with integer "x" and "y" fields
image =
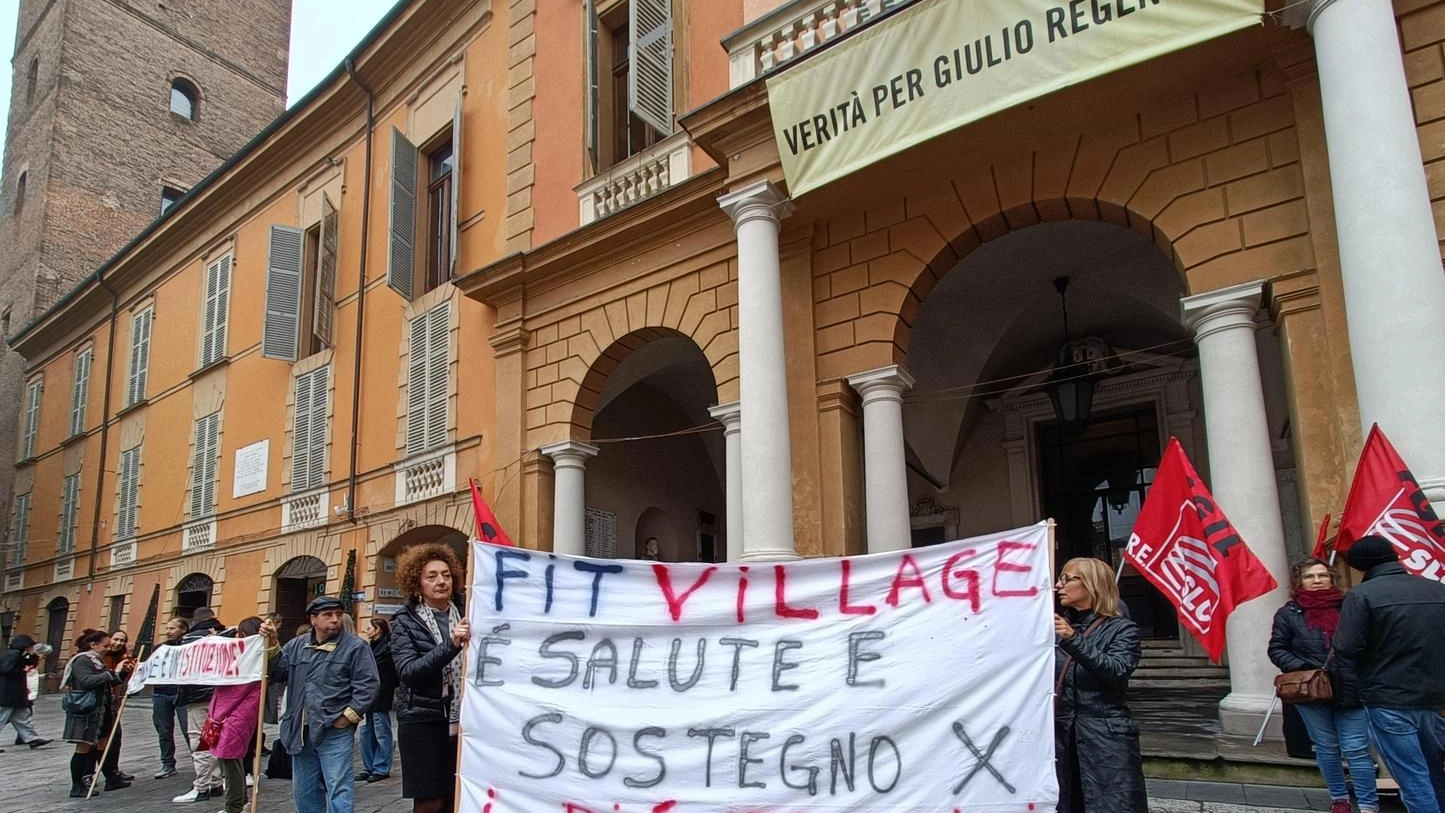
{"x": 427, "y": 638}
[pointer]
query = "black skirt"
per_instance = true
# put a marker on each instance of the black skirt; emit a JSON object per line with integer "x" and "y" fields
{"x": 428, "y": 759}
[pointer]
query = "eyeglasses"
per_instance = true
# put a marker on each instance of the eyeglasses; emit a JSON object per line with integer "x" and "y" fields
{"x": 1069, "y": 579}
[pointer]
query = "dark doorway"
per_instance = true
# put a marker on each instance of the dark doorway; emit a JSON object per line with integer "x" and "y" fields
{"x": 1094, "y": 482}
{"x": 297, "y": 582}
{"x": 57, "y": 613}
{"x": 193, "y": 591}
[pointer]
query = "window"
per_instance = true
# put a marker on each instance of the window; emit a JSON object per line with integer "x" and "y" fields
{"x": 31, "y": 78}
{"x": 213, "y": 318}
{"x": 20, "y": 529}
{"x": 204, "y": 456}
{"x": 140, "y": 355}
{"x": 69, "y": 511}
{"x": 79, "y": 391}
{"x": 308, "y": 437}
{"x": 300, "y": 288}
{"x": 427, "y": 379}
{"x": 127, "y": 488}
{"x": 631, "y": 95}
{"x": 32, "y": 419}
{"x": 116, "y": 611}
{"x": 20, "y": 184}
{"x": 183, "y": 99}
{"x": 434, "y": 224}
{"x": 169, "y": 196}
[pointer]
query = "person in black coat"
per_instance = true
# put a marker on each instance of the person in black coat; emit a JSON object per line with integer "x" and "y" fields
{"x": 376, "y": 730}
{"x": 1301, "y": 639}
{"x": 86, "y": 673}
{"x": 1096, "y": 742}
{"x": 15, "y": 702}
{"x": 427, "y": 638}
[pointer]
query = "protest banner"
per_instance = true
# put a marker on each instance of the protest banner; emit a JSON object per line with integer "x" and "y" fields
{"x": 1386, "y": 500}
{"x": 915, "y": 680}
{"x": 215, "y": 660}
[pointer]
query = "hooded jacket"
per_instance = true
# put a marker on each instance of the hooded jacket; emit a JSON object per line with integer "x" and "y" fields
{"x": 1294, "y": 647}
{"x": 14, "y": 693}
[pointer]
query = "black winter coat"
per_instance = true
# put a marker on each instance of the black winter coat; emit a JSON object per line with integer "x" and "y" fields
{"x": 386, "y": 668}
{"x": 1390, "y": 627}
{"x": 1293, "y": 647}
{"x": 420, "y": 661}
{"x": 1096, "y": 742}
{"x": 14, "y": 693}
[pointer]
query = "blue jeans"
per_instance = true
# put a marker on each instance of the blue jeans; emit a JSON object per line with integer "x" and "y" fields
{"x": 20, "y": 718}
{"x": 1410, "y": 743}
{"x": 1343, "y": 736}
{"x": 376, "y": 743}
{"x": 165, "y": 714}
{"x": 321, "y": 778}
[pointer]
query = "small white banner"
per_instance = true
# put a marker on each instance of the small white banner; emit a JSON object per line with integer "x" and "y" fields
{"x": 212, "y": 661}
{"x": 915, "y": 681}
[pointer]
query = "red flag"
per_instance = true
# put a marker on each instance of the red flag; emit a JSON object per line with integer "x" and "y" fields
{"x": 1322, "y": 541}
{"x": 1185, "y": 546}
{"x": 1385, "y": 499}
{"x": 488, "y": 529}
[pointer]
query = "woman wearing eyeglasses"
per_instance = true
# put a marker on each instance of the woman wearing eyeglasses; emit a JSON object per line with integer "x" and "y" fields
{"x": 1096, "y": 742}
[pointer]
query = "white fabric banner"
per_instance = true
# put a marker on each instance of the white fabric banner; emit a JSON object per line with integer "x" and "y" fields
{"x": 215, "y": 660}
{"x": 914, "y": 681}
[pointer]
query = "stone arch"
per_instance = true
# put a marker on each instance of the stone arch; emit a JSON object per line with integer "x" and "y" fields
{"x": 389, "y": 595}
{"x": 606, "y": 362}
{"x": 1218, "y": 187}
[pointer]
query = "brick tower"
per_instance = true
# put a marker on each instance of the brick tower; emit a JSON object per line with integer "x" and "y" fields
{"x": 117, "y": 108}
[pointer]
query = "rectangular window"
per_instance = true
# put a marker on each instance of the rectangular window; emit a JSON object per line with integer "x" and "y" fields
{"x": 217, "y": 308}
{"x": 300, "y": 288}
{"x": 69, "y": 513}
{"x": 140, "y": 355}
{"x": 80, "y": 390}
{"x": 205, "y": 456}
{"x": 428, "y": 366}
{"x": 116, "y": 611}
{"x": 32, "y": 418}
{"x": 127, "y": 494}
{"x": 425, "y": 184}
{"x": 308, "y": 437}
{"x": 631, "y": 45}
{"x": 20, "y": 529}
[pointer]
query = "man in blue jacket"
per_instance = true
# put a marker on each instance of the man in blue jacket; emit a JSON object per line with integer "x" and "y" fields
{"x": 1390, "y": 626}
{"x": 331, "y": 682}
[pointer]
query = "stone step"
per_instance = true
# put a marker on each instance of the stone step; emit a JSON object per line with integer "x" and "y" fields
{"x": 1179, "y": 683}
{"x": 1154, "y": 671}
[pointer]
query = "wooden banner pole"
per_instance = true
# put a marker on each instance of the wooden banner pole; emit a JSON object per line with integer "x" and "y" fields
{"x": 110, "y": 738}
{"x": 260, "y": 732}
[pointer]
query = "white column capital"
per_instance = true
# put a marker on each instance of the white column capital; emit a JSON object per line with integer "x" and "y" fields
{"x": 762, "y": 200}
{"x": 1224, "y": 309}
{"x": 730, "y": 415}
{"x": 569, "y": 453}
{"x": 1317, "y": 7}
{"x": 887, "y": 383}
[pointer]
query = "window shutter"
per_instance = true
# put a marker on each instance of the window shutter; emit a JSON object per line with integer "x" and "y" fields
{"x": 401, "y": 257}
{"x": 438, "y": 328}
{"x": 125, "y": 511}
{"x": 326, "y": 272}
{"x": 32, "y": 418}
{"x": 316, "y": 460}
{"x": 280, "y": 334}
{"x": 218, "y": 295}
{"x": 455, "y": 225}
{"x": 20, "y": 532}
{"x": 416, "y": 399}
{"x": 140, "y": 355}
{"x": 301, "y": 435}
{"x": 649, "y": 83}
{"x": 203, "y": 466}
{"x": 69, "y": 503}
{"x": 593, "y": 69}
{"x": 80, "y": 391}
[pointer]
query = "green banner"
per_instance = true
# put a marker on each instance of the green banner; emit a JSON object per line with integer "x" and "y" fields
{"x": 941, "y": 64}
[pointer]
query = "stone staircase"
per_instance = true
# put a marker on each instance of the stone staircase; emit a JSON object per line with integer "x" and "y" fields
{"x": 1166, "y": 665}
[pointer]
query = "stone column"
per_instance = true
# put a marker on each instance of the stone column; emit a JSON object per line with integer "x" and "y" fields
{"x": 1389, "y": 254}
{"x": 731, "y": 417}
{"x": 885, "y": 477}
{"x": 757, "y": 212}
{"x": 569, "y": 501}
{"x": 1241, "y": 464}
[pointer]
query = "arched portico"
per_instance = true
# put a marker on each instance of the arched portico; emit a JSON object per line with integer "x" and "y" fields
{"x": 389, "y": 596}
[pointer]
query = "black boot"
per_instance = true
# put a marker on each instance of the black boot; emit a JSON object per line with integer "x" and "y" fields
{"x": 79, "y": 765}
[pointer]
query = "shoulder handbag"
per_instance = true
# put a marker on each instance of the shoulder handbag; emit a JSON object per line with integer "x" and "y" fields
{"x": 79, "y": 701}
{"x": 1306, "y": 685}
{"x": 210, "y": 733}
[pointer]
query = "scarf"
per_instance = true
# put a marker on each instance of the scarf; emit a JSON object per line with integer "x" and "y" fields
{"x": 452, "y": 673}
{"x": 1322, "y": 609}
{"x": 70, "y": 665}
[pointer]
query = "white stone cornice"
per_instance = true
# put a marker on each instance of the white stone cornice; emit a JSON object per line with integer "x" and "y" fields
{"x": 884, "y": 383}
{"x": 569, "y": 453}
{"x": 730, "y": 415}
{"x": 1224, "y": 309}
{"x": 762, "y": 200}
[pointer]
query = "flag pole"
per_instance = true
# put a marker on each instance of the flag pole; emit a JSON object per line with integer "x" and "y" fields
{"x": 1053, "y": 564}
{"x": 109, "y": 739}
{"x": 461, "y": 746}
{"x": 1258, "y": 738}
{"x": 260, "y": 731}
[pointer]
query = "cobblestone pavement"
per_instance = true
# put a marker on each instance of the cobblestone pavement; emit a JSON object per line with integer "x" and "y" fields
{"x": 38, "y": 780}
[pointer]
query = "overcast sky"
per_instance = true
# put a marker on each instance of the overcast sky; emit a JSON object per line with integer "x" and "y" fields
{"x": 323, "y": 32}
